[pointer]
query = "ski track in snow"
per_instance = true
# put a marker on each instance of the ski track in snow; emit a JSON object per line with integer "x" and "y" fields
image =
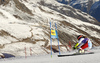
{"x": 89, "y": 58}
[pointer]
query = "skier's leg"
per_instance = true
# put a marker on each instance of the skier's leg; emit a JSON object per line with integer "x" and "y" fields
{"x": 84, "y": 46}
{"x": 89, "y": 45}
{"x": 81, "y": 50}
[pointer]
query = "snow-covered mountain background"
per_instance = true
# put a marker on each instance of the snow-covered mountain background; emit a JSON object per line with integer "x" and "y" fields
{"x": 25, "y": 23}
{"x": 91, "y": 7}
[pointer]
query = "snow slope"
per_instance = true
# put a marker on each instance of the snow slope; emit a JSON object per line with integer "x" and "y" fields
{"x": 25, "y": 23}
{"x": 90, "y": 58}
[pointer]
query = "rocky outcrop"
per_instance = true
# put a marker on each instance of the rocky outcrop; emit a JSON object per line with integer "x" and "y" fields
{"x": 18, "y": 5}
{"x": 2, "y": 56}
{"x": 4, "y": 2}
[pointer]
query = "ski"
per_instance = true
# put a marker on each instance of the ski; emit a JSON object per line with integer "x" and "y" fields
{"x": 75, "y": 54}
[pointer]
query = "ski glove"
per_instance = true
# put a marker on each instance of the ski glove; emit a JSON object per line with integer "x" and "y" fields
{"x": 75, "y": 48}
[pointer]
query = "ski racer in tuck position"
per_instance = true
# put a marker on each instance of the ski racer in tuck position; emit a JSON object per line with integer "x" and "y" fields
{"x": 83, "y": 44}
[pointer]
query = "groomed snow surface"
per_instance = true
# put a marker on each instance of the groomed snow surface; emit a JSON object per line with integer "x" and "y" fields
{"x": 89, "y": 58}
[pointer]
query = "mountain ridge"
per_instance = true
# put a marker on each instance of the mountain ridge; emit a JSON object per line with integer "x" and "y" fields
{"x": 85, "y": 6}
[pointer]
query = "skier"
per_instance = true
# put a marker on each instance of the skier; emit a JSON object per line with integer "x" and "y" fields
{"x": 83, "y": 44}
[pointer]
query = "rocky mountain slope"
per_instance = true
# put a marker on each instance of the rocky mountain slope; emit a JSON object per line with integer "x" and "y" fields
{"x": 89, "y": 6}
{"x": 94, "y": 11}
{"x": 25, "y": 23}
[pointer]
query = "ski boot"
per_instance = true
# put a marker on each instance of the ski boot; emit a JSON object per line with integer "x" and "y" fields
{"x": 81, "y": 51}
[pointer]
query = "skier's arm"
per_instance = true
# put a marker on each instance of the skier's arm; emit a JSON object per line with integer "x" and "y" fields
{"x": 77, "y": 45}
